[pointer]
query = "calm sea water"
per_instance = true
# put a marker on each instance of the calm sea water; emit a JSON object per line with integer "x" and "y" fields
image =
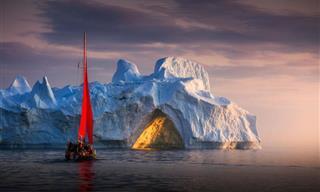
{"x": 178, "y": 170}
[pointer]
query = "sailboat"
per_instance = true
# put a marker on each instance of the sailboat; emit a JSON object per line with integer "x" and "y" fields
{"x": 82, "y": 150}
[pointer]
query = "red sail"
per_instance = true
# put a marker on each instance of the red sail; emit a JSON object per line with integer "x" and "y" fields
{"x": 86, "y": 122}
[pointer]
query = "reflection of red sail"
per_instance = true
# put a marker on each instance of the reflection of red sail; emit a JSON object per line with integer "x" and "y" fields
{"x": 86, "y": 176}
{"x": 86, "y": 122}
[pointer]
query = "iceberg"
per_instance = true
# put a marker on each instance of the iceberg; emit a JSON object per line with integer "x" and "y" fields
{"x": 19, "y": 86}
{"x": 175, "y": 103}
{"x": 126, "y": 71}
{"x": 42, "y": 95}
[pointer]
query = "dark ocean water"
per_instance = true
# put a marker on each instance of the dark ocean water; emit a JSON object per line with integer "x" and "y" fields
{"x": 178, "y": 170}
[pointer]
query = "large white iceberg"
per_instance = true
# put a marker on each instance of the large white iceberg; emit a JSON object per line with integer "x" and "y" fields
{"x": 178, "y": 89}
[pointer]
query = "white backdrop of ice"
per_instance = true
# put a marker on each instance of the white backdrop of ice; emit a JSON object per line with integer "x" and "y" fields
{"x": 178, "y": 87}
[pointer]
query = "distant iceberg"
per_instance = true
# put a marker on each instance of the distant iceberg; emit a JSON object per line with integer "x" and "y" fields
{"x": 177, "y": 90}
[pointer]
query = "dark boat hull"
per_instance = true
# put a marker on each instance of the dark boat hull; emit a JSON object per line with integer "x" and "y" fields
{"x": 80, "y": 151}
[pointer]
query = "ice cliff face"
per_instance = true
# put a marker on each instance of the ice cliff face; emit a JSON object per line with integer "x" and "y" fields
{"x": 179, "y": 89}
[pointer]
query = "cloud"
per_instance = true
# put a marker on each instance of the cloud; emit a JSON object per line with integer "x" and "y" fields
{"x": 106, "y": 23}
{"x": 252, "y": 24}
{"x": 182, "y": 23}
{"x": 286, "y": 7}
{"x": 19, "y": 20}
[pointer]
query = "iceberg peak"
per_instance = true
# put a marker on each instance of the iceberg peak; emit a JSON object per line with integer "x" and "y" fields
{"x": 45, "y": 81}
{"x": 43, "y": 95}
{"x": 173, "y": 67}
{"x": 126, "y": 71}
{"x": 20, "y": 85}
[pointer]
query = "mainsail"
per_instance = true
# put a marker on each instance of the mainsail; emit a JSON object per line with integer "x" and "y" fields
{"x": 86, "y": 122}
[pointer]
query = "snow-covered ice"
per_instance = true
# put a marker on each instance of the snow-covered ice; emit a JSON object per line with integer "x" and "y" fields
{"x": 178, "y": 87}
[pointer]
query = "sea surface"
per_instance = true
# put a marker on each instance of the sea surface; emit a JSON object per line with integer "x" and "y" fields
{"x": 175, "y": 170}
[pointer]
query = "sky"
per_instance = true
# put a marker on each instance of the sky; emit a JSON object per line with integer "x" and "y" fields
{"x": 263, "y": 55}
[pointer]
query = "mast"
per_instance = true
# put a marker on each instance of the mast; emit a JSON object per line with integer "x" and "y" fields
{"x": 86, "y": 122}
{"x": 85, "y": 66}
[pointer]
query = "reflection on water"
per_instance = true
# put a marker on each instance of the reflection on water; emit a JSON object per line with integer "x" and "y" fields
{"x": 85, "y": 175}
{"x": 172, "y": 170}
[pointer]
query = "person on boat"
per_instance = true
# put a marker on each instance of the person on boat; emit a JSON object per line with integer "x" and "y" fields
{"x": 70, "y": 150}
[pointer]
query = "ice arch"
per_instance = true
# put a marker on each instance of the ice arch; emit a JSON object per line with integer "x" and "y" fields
{"x": 159, "y": 133}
